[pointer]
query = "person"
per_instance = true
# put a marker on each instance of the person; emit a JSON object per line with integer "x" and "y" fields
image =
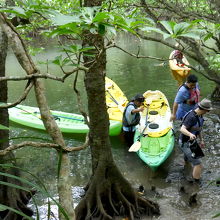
{"x": 191, "y": 129}
{"x": 178, "y": 55}
{"x": 131, "y": 117}
{"x": 186, "y": 98}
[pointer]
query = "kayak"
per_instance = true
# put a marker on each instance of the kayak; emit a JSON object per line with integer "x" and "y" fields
{"x": 179, "y": 72}
{"x": 67, "y": 122}
{"x": 154, "y": 131}
{"x": 116, "y": 100}
{"x": 155, "y": 150}
{"x": 157, "y": 113}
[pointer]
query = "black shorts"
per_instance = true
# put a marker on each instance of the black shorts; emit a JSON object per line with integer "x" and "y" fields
{"x": 184, "y": 147}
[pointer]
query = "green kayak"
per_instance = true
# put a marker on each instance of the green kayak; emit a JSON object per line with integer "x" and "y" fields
{"x": 67, "y": 122}
{"x": 155, "y": 150}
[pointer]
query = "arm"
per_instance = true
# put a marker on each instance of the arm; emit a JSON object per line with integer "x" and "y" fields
{"x": 140, "y": 109}
{"x": 202, "y": 143}
{"x": 173, "y": 115}
{"x": 184, "y": 130}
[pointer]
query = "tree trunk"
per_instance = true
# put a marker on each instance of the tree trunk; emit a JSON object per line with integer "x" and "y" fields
{"x": 108, "y": 194}
{"x": 64, "y": 185}
{"x": 216, "y": 93}
{"x": 9, "y": 196}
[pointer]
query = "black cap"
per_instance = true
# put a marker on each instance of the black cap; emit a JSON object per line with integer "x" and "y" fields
{"x": 139, "y": 98}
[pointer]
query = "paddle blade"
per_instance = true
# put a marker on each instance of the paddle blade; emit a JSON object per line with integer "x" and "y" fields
{"x": 135, "y": 147}
{"x": 121, "y": 108}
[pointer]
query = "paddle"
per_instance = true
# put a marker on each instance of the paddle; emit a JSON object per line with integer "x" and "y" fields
{"x": 137, "y": 145}
{"x": 121, "y": 108}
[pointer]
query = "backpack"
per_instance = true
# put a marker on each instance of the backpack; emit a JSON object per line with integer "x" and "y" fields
{"x": 194, "y": 95}
{"x": 135, "y": 121}
{"x": 184, "y": 137}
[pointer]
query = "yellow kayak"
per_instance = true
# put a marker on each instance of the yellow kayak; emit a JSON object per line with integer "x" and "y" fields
{"x": 179, "y": 72}
{"x": 116, "y": 101}
{"x": 157, "y": 113}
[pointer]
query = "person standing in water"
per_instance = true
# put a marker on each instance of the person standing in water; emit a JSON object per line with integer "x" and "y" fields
{"x": 131, "y": 118}
{"x": 190, "y": 130}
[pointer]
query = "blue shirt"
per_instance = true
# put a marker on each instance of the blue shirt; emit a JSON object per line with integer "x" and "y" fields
{"x": 182, "y": 96}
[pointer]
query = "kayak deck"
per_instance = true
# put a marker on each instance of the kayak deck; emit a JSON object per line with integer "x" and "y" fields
{"x": 155, "y": 130}
{"x": 154, "y": 151}
{"x": 116, "y": 101}
{"x": 67, "y": 122}
{"x": 157, "y": 113}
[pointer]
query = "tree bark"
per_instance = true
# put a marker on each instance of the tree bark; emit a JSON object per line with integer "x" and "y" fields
{"x": 64, "y": 185}
{"x": 9, "y": 196}
{"x": 108, "y": 194}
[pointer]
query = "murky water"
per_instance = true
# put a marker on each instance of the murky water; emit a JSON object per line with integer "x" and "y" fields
{"x": 133, "y": 76}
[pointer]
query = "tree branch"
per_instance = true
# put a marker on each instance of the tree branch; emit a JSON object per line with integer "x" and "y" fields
{"x": 22, "y": 98}
{"x": 32, "y": 76}
{"x": 137, "y": 55}
{"x": 43, "y": 145}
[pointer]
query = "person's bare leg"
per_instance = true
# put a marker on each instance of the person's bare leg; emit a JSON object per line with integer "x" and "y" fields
{"x": 197, "y": 169}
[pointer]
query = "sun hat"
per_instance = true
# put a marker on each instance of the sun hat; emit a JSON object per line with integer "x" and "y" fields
{"x": 139, "y": 98}
{"x": 205, "y": 104}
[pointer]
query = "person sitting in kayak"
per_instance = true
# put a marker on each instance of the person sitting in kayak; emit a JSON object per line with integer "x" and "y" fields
{"x": 186, "y": 98}
{"x": 131, "y": 118}
{"x": 178, "y": 55}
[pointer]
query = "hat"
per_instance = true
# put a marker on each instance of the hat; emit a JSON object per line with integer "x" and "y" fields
{"x": 205, "y": 104}
{"x": 139, "y": 98}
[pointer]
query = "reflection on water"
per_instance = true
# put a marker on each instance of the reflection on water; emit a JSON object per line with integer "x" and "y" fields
{"x": 133, "y": 76}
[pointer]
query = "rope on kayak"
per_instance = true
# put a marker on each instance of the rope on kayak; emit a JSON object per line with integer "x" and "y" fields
{"x": 60, "y": 116}
{"x": 32, "y": 113}
{"x": 56, "y": 117}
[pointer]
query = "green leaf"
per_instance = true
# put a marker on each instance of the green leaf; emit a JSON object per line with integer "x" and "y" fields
{"x": 71, "y": 28}
{"x": 35, "y": 186}
{"x": 4, "y": 207}
{"x": 87, "y": 49}
{"x": 180, "y": 28}
{"x": 191, "y": 35}
{"x": 100, "y": 17}
{"x": 149, "y": 29}
{"x": 58, "y": 60}
{"x": 71, "y": 48}
{"x": 2, "y": 127}
{"x": 60, "y": 19}
{"x": 136, "y": 24}
{"x": 14, "y": 186}
{"x": 101, "y": 29}
{"x": 15, "y": 10}
{"x": 165, "y": 35}
{"x": 169, "y": 25}
{"x": 88, "y": 14}
{"x": 119, "y": 20}
{"x": 217, "y": 215}
{"x": 150, "y": 20}
{"x": 208, "y": 36}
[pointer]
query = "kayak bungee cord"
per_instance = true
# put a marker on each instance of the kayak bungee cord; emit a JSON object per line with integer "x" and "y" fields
{"x": 55, "y": 116}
